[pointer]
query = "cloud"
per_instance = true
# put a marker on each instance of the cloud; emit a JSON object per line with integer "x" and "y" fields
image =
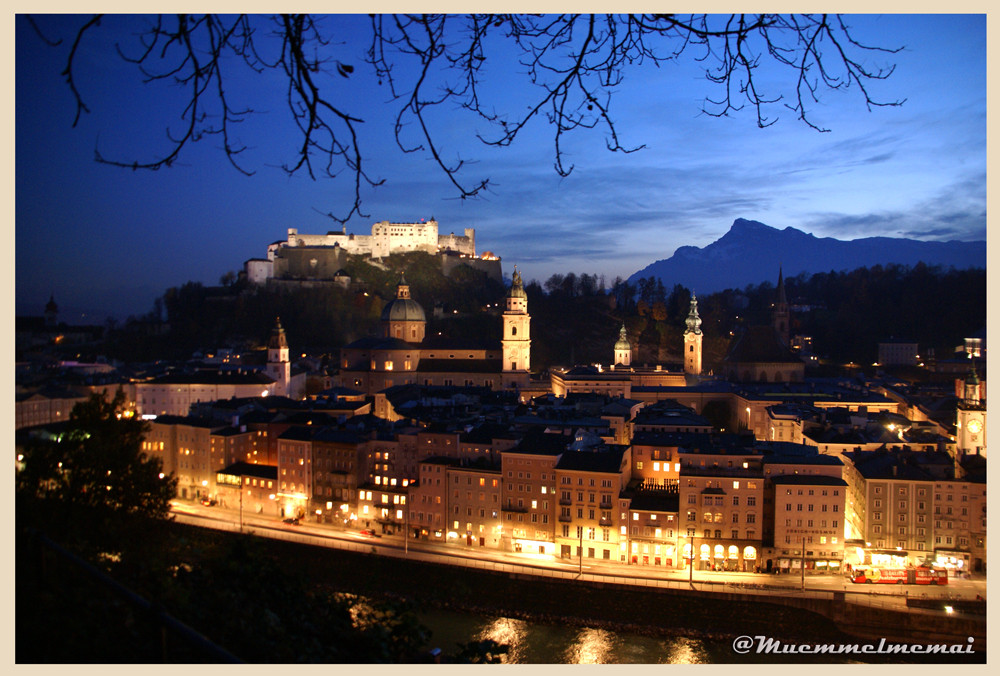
{"x": 956, "y": 212}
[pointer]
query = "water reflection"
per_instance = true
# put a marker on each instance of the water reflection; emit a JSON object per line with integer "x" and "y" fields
{"x": 537, "y": 643}
{"x": 509, "y": 632}
{"x": 683, "y": 650}
{"x": 591, "y": 646}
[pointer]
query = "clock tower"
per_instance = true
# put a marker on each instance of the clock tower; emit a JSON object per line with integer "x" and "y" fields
{"x": 970, "y": 424}
{"x": 516, "y": 341}
{"x": 692, "y": 340}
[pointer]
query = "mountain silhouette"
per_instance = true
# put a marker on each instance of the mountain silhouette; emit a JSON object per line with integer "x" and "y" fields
{"x": 751, "y": 252}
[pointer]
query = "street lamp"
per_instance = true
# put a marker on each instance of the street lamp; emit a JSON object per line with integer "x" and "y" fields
{"x": 802, "y": 561}
{"x": 690, "y": 558}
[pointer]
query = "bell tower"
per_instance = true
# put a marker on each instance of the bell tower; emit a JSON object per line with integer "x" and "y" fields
{"x": 692, "y": 340}
{"x": 278, "y": 366}
{"x": 623, "y": 349}
{"x": 516, "y": 340}
{"x": 970, "y": 423}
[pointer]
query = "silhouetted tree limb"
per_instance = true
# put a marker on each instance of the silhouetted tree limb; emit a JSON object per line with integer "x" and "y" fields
{"x": 572, "y": 63}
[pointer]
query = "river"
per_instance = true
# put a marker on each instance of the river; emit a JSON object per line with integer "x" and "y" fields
{"x": 537, "y": 643}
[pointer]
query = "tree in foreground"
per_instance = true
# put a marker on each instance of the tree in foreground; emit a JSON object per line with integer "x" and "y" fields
{"x": 562, "y": 70}
{"x": 97, "y": 466}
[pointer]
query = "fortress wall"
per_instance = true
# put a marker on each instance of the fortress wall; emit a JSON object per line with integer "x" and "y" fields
{"x": 259, "y": 271}
{"x": 463, "y": 244}
{"x": 309, "y": 262}
{"x": 492, "y": 268}
{"x": 389, "y": 238}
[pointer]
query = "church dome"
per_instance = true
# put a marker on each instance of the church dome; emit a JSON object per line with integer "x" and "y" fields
{"x": 623, "y": 343}
{"x": 403, "y": 310}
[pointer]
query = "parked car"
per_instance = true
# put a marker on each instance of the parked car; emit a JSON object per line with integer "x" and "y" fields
{"x": 292, "y": 520}
{"x": 209, "y": 502}
{"x": 370, "y": 533}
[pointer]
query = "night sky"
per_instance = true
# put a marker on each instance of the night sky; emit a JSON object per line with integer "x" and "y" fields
{"x": 106, "y": 241}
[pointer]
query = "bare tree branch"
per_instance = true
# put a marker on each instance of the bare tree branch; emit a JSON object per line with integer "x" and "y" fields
{"x": 431, "y": 64}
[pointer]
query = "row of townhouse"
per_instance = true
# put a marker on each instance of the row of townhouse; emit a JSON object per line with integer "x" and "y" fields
{"x": 728, "y": 502}
{"x": 736, "y": 504}
{"x": 922, "y": 503}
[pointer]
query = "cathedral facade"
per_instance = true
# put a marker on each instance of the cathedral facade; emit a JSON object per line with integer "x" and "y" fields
{"x": 404, "y": 355}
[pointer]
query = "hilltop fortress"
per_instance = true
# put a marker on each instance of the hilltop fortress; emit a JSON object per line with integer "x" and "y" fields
{"x": 322, "y": 257}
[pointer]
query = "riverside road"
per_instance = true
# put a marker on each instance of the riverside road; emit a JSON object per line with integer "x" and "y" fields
{"x": 822, "y": 585}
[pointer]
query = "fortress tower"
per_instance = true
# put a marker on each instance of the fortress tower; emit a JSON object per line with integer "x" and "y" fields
{"x": 516, "y": 340}
{"x": 692, "y": 340}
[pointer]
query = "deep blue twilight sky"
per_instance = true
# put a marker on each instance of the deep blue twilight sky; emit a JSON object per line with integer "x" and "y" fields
{"x": 107, "y": 241}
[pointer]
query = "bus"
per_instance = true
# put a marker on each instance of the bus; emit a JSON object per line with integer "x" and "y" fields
{"x": 882, "y": 575}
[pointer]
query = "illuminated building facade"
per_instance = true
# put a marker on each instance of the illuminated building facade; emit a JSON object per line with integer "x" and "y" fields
{"x": 474, "y": 514}
{"x": 295, "y": 471}
{"x": 337, "y": 460}
{"x": 429, "y": 499}
{"x": 809, "y": 515}
{"x": 922, "y": 504}
{"x": 721, "y": 511}
{"x": 528, "y": 493}
{"x": 589, "y": 483}
{"x": 185, "y": 445}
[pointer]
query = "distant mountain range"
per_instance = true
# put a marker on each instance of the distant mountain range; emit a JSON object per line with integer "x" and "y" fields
{"x": 751, "y": 252}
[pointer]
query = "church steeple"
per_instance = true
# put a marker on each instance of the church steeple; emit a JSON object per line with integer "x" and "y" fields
{"x": 971, "y": 394}
{"x": 692, "y": 340}
{"x": 623, "y": 348}
{"x": 516, "y": 341}
{"x": 779, "y": 311}
{"x": 278, "y": 366}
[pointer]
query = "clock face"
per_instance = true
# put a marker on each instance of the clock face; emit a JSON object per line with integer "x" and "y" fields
{"x": 975, "y": 426}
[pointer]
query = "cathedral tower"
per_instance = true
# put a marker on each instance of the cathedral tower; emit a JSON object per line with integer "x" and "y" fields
{"x": 516, "y": 340}
{"x": 692, "y": 340}
{"x": 278, "y": 366}
{"x": 623, "y": 349}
